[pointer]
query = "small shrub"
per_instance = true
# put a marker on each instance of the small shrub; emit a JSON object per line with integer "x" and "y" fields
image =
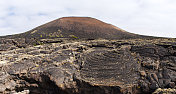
{"x": 73, "y": 36}
{"x": 61, "y": 35}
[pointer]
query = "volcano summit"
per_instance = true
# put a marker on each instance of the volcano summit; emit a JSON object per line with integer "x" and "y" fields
{"x": 78, "y": 27}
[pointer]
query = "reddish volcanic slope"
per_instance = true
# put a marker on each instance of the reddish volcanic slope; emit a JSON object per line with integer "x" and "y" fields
{"x": 78, "y": 27}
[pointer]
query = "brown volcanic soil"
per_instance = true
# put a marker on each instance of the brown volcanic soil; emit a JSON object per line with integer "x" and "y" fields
{"x": 78, "y": 27}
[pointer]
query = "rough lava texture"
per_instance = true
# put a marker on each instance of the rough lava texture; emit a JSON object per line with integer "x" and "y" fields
{"x": 32, "y": 65}
{"x": 90, "y": 67}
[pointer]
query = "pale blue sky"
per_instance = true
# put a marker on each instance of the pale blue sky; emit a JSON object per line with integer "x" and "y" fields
{"x": 147, "y": 17}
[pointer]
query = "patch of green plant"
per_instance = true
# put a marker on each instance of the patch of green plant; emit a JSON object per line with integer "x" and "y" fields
{"x": 61, "y": 35}
{"x": 35, "y": 44}
{"x": 50, "y": 35}
{"x": 73, "y": 36}
{"x": 57, "y": 36}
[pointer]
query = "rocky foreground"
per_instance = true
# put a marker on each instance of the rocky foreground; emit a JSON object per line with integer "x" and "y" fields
{"x": 88, "y": 67}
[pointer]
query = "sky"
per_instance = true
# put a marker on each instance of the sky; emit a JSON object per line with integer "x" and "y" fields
{"x": 146, "y": 17}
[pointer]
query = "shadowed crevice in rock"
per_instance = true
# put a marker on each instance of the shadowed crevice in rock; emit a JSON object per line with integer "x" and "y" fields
{"x": 36, "y": 84}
